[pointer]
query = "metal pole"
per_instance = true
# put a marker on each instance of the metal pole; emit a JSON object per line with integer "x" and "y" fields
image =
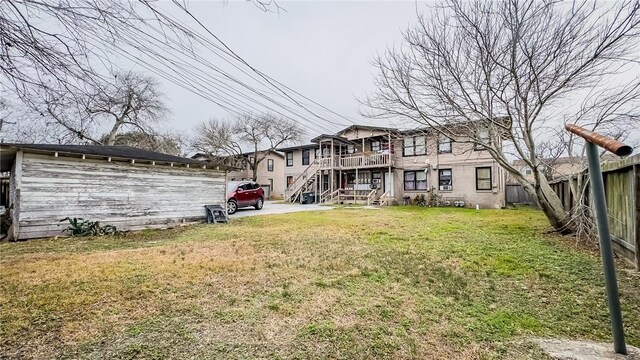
{"x": 608, "y": 264}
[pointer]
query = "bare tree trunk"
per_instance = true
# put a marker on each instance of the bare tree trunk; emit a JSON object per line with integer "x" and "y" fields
{"x": 552, "y": 207}
{"x": 549, "y": 203}
{"x": 112, "y": 134}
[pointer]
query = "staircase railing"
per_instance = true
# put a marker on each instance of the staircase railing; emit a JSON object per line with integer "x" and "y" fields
{"x": 334, "y": 194}
{"x": 323, "y": 196}
{"x": 291, "y": 193}
{"x": 384, "y": 198}
{"x": 370, "y": 197}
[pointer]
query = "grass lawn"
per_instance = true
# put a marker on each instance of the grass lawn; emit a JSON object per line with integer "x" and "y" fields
{"x": 399, "y": 282}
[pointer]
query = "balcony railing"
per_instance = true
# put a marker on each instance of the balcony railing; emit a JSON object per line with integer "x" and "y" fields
{"x": 356, "y": 161}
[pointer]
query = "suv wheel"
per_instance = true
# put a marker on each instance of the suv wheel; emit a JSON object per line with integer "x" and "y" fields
{"x": 259, "y": 204}
{"x": 232, "y": 207}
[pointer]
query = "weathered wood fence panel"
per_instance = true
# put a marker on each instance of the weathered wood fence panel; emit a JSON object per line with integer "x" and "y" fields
{"x": 621, "y": 210}
{"x": 622, "y": 188}
{"x": 515, "y": 194}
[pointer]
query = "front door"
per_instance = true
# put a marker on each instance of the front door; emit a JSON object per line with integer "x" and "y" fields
{"x": 325, "y": 183}
{"x": 387, "y": 182}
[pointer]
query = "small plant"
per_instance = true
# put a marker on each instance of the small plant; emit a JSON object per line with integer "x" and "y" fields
{"x": 434, "y": 198}
{"x": 81, "y": 227}
{"x": 420, "y": 200}
{"x": 5, "y": 220}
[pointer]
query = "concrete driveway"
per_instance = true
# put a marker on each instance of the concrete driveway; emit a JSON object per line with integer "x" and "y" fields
{"x": 271, "y": 207}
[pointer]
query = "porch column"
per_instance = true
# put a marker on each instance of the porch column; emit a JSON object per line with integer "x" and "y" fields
{"x": 332, "y": 165}
{"x": 356, "y": 183}
{"x": 391, "y": 187}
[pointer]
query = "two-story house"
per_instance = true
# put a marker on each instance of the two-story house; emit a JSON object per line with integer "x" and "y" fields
{"x": 270, "y": 170}
{"x": 367, "y": 164}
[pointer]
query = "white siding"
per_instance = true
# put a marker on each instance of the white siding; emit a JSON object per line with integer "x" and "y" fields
{"x": 121, "y": 194}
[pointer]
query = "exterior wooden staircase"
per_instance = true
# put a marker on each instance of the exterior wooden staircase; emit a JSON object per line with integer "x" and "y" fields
{"x": 303, "y": 183}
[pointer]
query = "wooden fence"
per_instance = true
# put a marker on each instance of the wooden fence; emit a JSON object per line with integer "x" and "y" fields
{"x": 622, "y": 188}
{"x": 515, "y": 194}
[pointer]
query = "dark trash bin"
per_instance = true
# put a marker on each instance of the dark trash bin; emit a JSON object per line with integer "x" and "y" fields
{"x": 308, "y": 198}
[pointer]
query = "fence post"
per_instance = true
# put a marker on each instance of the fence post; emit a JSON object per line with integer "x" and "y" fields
{"x": 597, "y": 190}
{"x": 606, "y": 252}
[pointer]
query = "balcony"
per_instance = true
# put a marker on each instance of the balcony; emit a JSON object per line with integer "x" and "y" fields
{"x": 359, "y": 161}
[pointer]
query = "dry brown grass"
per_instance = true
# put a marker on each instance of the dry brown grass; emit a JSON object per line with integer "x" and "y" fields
{"x": 394, "y": 283}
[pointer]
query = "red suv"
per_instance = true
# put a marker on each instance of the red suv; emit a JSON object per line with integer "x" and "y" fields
{"x": 244, "y": 194}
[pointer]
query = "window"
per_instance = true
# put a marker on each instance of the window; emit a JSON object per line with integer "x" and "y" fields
{"x": 269, "y": 164}
{"x": 305, "y": 156}
{"x": 414, "y": 146}
{"x": 444, "y": 144}
{"x": 289, "y": 181}
{"x": 445, "y": 179}
{"x": 376, "y": 177}
{"x": 483, "y": 178}
{"x": 351, "y": 149}
{"x": 290, "y": 158}
{"x": 415, "y": 180}
{"x": 351, "y": 178}
{"x": 375, "y": 146}
{"x": 483, "y": 136}
{"x": 315, "y": 153}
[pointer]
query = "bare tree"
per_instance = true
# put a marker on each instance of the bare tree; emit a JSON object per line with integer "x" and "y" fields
{"x": 500, "y": 74}
{"x": 256, "y": 134}
{"x": 171, "y": 144}
{"x": 5, "y": 115}
{"x": 59, "y": 52}
{"x": 65, "y": 44}
{"x": 131, "y": 102}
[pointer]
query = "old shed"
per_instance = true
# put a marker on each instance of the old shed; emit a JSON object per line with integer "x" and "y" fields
{"x": 118, "y": 185}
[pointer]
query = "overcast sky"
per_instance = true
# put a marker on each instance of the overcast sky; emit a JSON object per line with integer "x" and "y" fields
{"x": 321, "y": 49}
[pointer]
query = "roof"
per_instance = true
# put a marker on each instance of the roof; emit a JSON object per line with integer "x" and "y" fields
{"x": 203, "y": 155}
{"x": 270, "y": 151}
{"x": 567, "y": 160}
{"x": 100, "y": 151}
{"x": 298, "y": 147}
{"x": 367, "y": 127}
{"x": 333, "y": 137}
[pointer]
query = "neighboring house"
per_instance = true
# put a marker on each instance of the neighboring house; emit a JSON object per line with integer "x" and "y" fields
{"x": 368, "y": 164}
{"x": 117, "y": 185}
{"x": 297, "y": 159}
{"x": 270, "y": 170}
{"x": 556, "y": 168}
